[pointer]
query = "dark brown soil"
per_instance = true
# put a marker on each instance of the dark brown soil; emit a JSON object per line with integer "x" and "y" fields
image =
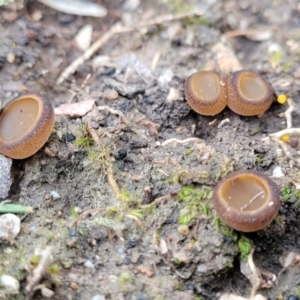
{"x": 129, "y": 250}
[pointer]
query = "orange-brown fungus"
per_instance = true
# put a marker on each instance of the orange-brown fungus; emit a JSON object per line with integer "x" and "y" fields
{"x": 25, "y": 125}
{"x": 206, "y": 93}
{"x": 246, "y": 200}
{"x": 249, "y": 94}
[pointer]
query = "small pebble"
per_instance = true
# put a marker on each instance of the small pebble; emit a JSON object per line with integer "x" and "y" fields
{"x": 9, "y": 285}
{"x": 5, "y": 177}
{"x": 277, "y": 172}
{"x": 111, "y": 94}
{"x": 294, "y": 143}
{"x": 10, "y": 57}
{"x": 98, "y": 297}
{"x": 89, "y": 264}
{"x": 47, "y": 293}
{"x": 74, "y": 286}
{"x": 292, "y": 297}
{"x": 69, "y": 137}
{"x": 55, "y": 195}
{"x": 122, "y": 153}
{"x": 201, "y": 268}
{"x": 183, "y": 229}
{"x": 10, "y": 226}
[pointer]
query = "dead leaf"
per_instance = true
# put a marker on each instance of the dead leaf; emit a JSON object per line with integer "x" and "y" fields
{"x": 222, "y": 59}
{"x": 77, "y": 109}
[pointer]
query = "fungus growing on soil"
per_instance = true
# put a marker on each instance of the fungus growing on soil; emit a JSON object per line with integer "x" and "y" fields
{"x": 249, "y": 94}
{"x": 25, "y": 125}
{"x": 246, "y": 200}
{"x": 206, "y": 93}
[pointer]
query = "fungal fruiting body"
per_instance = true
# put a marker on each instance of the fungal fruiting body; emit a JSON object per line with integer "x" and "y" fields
{"x": 25, "y": 125}
{"x": 246, "y": 200}
{"x": 249, "y": 94}
{"x": 246, "y": 93}
{"x": 206, "y": 92}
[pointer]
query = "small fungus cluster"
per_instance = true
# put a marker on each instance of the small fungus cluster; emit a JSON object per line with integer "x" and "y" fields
{"x": 25, "y": 125}
{"x": 246, "y": 200}
{"x": 244, "y": 92}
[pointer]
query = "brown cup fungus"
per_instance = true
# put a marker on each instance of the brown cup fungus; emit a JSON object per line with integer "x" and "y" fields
{"x": 249, "y": 94}
{"x": 25, "y": 125}
{"x": 246, "y": 200}
{"x": 206, "y": 93}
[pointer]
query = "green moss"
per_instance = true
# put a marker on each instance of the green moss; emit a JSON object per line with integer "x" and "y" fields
{"x": 195, "y": 203}
{"x": 35, "y": 260}
{"x": 224, "y": 229}
{"x": 84, "y": 139}
{"x": 276, "y": 58}
{"x": 191, "y": 194}
{"x": 66, "y": 264}
{"x": 186, "y": 215}
{"x": 74, "y": 213}
{"x": 124, "y": 279}
{"x": 180, "y": 6}
{"x": 258, "y": 159}
{"x": 197, "y": 20}
{"x": 245, "y": 246}
{"x": 189, "y": 151}
{"x": 286, "y": 192}
{"x": 54, "y": 269}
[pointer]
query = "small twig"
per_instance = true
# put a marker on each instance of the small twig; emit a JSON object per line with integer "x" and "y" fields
{"x": 163, "y": 172}
{"x": 288, "y": 113}
{"x": 253, "y": 269}
{"x": 284, "y": 147}
{"x": 40, "y": 270}
{"x": 115, "y": 29}
{"x": 280, "y": 133}
{"x": 249, "y": 32}
{"x": 111, "y": 179}
{"x": 157, "y": 200}
{"x": 90, "y": 211}
{"x": 223, "y": 122}
{"x": 192, "y": 139}
{"x": 94, "y": 135}
{"x": 108, "y": 165}
{"x": 135, "y": 219}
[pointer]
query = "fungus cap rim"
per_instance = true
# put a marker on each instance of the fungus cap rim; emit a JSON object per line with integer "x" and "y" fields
{"x": 253, "y": 220}
{"x": 36, "y": 135}
{"x": 40, "y": 100}
{"x": 206, "y": 107}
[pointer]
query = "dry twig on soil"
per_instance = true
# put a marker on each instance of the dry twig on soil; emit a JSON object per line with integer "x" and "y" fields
{"x": 289, "y": 131}
{"x": 288, "y": 113}
{"x": 87, "y": 212}
{"x": 119, "y": 28}
{"x": 108, "y": 165}
{"x": 157, "y": 200}
{"x": 40, "y": 270}
{"x": 191, "y": 139}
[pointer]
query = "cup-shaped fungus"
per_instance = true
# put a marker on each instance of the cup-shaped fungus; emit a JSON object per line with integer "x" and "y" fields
{"x": 25, "y": 125}
{"x": 249, "y": 94}
{"x": 246, "y": 200}
{"x": 206, "y": 92}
